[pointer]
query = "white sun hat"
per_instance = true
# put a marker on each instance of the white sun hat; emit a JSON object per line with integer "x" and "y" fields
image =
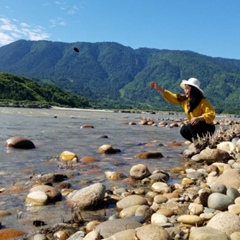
{"x": 192, "y": 82}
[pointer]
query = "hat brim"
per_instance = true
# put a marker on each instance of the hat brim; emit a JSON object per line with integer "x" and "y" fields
{"x": 185, "y": 82}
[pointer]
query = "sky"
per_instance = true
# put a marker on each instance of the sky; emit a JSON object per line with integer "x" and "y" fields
{"x": 208, "y": 27}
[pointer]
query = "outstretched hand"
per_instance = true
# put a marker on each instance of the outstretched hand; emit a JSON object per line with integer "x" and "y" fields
{"x": 154, "y": 85}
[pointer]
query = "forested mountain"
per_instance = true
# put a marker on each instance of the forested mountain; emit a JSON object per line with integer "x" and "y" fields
{"x": 111, "y": 75}
{"x": 22, "y": 92}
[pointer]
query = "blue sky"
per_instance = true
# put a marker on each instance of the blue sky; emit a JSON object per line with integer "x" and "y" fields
{"x": 209, "y": 27}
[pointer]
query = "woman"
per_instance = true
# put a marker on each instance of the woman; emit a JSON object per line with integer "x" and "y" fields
{"x": 198, "y": 109}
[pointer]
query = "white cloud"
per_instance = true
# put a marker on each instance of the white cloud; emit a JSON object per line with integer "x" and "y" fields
{"x": 57, "y": 22}
{"x": 12, "y": 30}
{"x": 73, "y": 10}
{"x": 69, "y": 9}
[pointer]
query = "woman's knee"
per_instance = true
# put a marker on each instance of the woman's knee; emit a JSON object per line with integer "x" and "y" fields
{"x": 186, "y": 132}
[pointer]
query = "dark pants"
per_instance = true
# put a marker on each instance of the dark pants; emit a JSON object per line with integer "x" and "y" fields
{"x": 191, "y": 132}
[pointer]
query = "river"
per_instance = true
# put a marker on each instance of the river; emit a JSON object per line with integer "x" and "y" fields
{"x": 56, "y": 130}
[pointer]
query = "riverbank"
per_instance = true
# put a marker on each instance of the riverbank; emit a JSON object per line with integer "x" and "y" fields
{"x": 144, "y": 198}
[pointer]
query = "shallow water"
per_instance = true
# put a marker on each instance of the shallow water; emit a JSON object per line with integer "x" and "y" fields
{"x": 56, "y": 130}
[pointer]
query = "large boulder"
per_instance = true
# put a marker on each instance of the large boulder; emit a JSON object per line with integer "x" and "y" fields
{"x": 225, "y": 222}
{"x": 233, "y": 181}
{"x": 214, "y": 155}
{"x": 88, "y": 197}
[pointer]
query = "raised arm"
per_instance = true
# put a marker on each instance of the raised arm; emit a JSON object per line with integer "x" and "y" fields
{"x": 154, "y": 85}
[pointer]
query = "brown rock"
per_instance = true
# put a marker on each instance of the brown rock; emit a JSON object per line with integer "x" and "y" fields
{"x": 10, "y": 233}
{"x": 87, "y": 126}
{"x": 147, "y": 155}
{"x": 19, "y": 142}
{"x": 214, "y": 155}
{"x": 88, "y": 159}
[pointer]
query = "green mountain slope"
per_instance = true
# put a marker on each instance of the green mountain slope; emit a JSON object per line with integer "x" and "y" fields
{"x": 115, "y": 76}
{"x": 20, "y": 91}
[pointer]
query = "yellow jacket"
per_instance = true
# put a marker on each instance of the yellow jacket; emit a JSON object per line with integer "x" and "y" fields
{"x": 203, "y": 109}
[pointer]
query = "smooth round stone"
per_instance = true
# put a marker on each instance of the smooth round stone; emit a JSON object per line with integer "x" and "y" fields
{"x": 37, "y": 198}
{"x": 119, "y": 191}
{"x": 140, "y": 219}
{"x": 160, "y": 187}
{"x": 148, "y": 155}
{"x": 194, "y": 175}
{"x": 88, "y": 159}
{"x": 139, "y": 171}
{"x": 122, "y": 235}
{"x": 87, "y": 126}
{"x": 91, "y": 235}
{"x": 206, "y": 216}
{"x": 128, "y": 212}
{"x": 150, "y": 195}
{"x": 174, "y": 194}
{"x": 179, "y": 170}
{"x": 225, "y": 222}
{"x": 195, "y": 208}
{"x": 144, "y": 211}
{"x": 234, "y": 208}
{"x": 131, "y": 200}
{"x": 232, "y": 193}
{"x": 38, "y": 237}
{"x": 190, "y": 219}
{"x": 19, "y": 142}
{"x": 233, "y": 181}
{"x": 187, "y": 181}
{"x": 237, "y": 200}
{"x": 159, "y": 177}
{"x": 218, "y": 188}
{"x": 91, "y": 225}
{"x": 235, "y": 236}
{"x": 212, "y": 168}
{"x": 159, "y": 199}
{"x": 105, "y": 148}
{"x": 4, "y": 213}
{"x": 219, "y": 201}
{"x": 87, "y": 197}
{"x": 52, "y": 193}
{"x": 226, "y": 146}
{"x": 10, "y": 233}
{"x": 158, "y": 219}
{"x": 76, "y": 236}
{"x": 206, "y": 233}
{"x": 166, "y": 212}
{"x": 108, "y": 228}
{"x": 68, "y": 156}
{"x": 153, "y": 232}
{"x": 196, "y": 158}
{"x": 111, "y": 175}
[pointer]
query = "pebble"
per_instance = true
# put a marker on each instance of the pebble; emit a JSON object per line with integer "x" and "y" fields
{"x": 190, "y": 219}
{"x": 219, "y": 201}
{"x": 108, "y": 228}
{"x": 130, "y": 201}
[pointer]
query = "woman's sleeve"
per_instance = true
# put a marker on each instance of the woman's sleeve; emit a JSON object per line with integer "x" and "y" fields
{"x": 208, "y": 112}
{"x": 171, "y": 97}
